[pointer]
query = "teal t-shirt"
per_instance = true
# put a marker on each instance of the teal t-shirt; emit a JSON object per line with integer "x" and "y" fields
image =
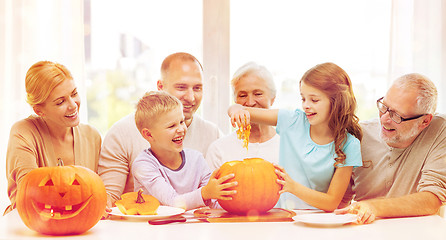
{"x": 306, "y": 162}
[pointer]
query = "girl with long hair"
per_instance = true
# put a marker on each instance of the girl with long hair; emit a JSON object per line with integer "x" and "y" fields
{"x": 319, "y": 145}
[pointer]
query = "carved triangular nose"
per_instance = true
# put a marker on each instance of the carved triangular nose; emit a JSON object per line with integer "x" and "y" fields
{"x": 62, "y": 194}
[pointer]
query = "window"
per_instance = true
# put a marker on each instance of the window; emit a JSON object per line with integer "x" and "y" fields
{"x": 125, "y": 41}
{"x": 124, "y": 47}
{"x": 126, "y": 44}
{"x": 290, "y": 37}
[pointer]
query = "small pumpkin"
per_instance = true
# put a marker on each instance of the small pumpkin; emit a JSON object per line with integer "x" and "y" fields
{"x": 136, "y": 203}
{"x": 257, "y": 188}
{"x": 61, "y": 200}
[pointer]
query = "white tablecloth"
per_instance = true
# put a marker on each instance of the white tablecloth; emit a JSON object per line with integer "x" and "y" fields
{"x": 422, "y": 228}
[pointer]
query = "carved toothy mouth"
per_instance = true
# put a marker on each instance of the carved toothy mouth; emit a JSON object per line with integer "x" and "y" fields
{"x": 59, "y": 212}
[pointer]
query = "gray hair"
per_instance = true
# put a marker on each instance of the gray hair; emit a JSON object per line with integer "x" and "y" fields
{"x": 257, "y": 70}
{"x": 427, "y": 92}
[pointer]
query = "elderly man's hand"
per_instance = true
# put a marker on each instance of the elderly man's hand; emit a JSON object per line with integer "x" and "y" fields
{"x": 365, "y": 212}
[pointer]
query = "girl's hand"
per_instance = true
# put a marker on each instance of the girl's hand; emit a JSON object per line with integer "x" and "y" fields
{"x": 363, "y": 210}
{"x": 238, "y": 115}
{"x": 217, "y": 188}
{"x": 284, "y": 179}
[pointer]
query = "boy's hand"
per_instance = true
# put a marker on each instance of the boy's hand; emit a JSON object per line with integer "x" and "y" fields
{"x": 238, "y": 115}
{"x": 216, "y": 188}
{"x": 106, "y": 215}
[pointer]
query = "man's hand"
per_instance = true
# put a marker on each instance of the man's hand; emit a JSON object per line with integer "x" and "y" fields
{"x": 365, "y": 212}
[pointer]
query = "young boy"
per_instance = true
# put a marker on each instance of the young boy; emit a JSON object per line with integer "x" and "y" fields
{"x": 175, "y": 176}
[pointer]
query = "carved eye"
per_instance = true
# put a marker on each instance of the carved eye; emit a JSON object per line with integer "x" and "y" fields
{"x": 75, "y": 182}
{"x": 49, "y": 183}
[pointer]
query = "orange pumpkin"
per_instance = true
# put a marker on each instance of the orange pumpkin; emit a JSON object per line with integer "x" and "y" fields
{"x": 61, "y": 200}
{"x": 257, "y": 189}
{"x": 136, "y": 203}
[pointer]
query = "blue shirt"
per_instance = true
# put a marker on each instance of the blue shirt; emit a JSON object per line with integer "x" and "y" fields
{"x": 305, "y": 161}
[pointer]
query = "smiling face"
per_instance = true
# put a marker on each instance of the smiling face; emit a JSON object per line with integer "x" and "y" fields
{"x": 184, "y": 80}
{"x": 168, "y": 132}
{"x": 252, "y": 91}
{"x": 62, "y": 106}
{"x": 402, "y": 102}
{"x": 316, "y": 105}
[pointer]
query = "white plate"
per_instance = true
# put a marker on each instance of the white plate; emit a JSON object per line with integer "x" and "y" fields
{"x": 161, "y": 212}
{"x": 325, "y": 219}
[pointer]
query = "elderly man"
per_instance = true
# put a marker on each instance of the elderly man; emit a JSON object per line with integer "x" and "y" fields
{"x": 182, "y": 77}
{"x": 253, "y": 86}
{"x": 404, "y": 155}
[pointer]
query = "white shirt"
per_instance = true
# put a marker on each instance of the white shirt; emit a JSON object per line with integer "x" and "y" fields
{"x": 230, "y": 148}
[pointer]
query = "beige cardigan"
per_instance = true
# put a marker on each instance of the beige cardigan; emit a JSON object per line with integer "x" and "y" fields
{"x": 30, "y": 147}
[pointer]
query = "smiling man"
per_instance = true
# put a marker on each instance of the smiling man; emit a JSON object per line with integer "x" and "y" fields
{"x": 404, "y": 155}
{"x": 182, "y": 77}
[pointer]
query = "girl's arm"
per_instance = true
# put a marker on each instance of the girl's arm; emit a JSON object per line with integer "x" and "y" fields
{"x": 241, "y": 115}
{"x": 325, "y": 201}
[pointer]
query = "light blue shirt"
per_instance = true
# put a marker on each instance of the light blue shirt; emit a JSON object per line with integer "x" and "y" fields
{"x": 305, "y": 161}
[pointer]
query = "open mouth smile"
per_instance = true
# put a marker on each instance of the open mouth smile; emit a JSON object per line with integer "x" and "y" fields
{"x": 387, "y": 129}
{"x": 71, "y": 115}
{"x": 178, "y": 139}
{"x": 310, "y": 114}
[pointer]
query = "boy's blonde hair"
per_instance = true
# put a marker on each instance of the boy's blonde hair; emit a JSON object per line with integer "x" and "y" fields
{"x": 152, "y": 105}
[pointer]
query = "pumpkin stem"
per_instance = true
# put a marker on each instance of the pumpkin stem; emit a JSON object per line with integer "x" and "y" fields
{"x": 60, "y": 162}
{"x": 140, "y": 199}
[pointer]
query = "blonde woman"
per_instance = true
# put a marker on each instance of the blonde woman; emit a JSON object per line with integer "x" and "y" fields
{"x": 54, "y": 130}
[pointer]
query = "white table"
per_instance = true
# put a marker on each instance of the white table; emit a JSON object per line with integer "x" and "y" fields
{"x": 422, "y": 228}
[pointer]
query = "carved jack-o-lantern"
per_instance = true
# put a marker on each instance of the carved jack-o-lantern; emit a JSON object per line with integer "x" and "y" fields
{"x": 61, "y": 200}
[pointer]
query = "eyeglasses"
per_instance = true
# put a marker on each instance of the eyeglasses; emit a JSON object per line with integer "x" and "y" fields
{"x": 393, "y": 115}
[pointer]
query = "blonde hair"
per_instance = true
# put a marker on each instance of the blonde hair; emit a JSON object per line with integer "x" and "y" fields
{"x": 256, "y": 70}
{"x": 425, "y": 88}
{"x": 152, "y": 105}
{"x": 336, "y": 84}
{"x": 42, "y": 78}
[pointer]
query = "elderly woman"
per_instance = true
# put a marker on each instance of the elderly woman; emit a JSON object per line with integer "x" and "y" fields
{"x": 54, "y": 132}
{"x": 253, "y": 86}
